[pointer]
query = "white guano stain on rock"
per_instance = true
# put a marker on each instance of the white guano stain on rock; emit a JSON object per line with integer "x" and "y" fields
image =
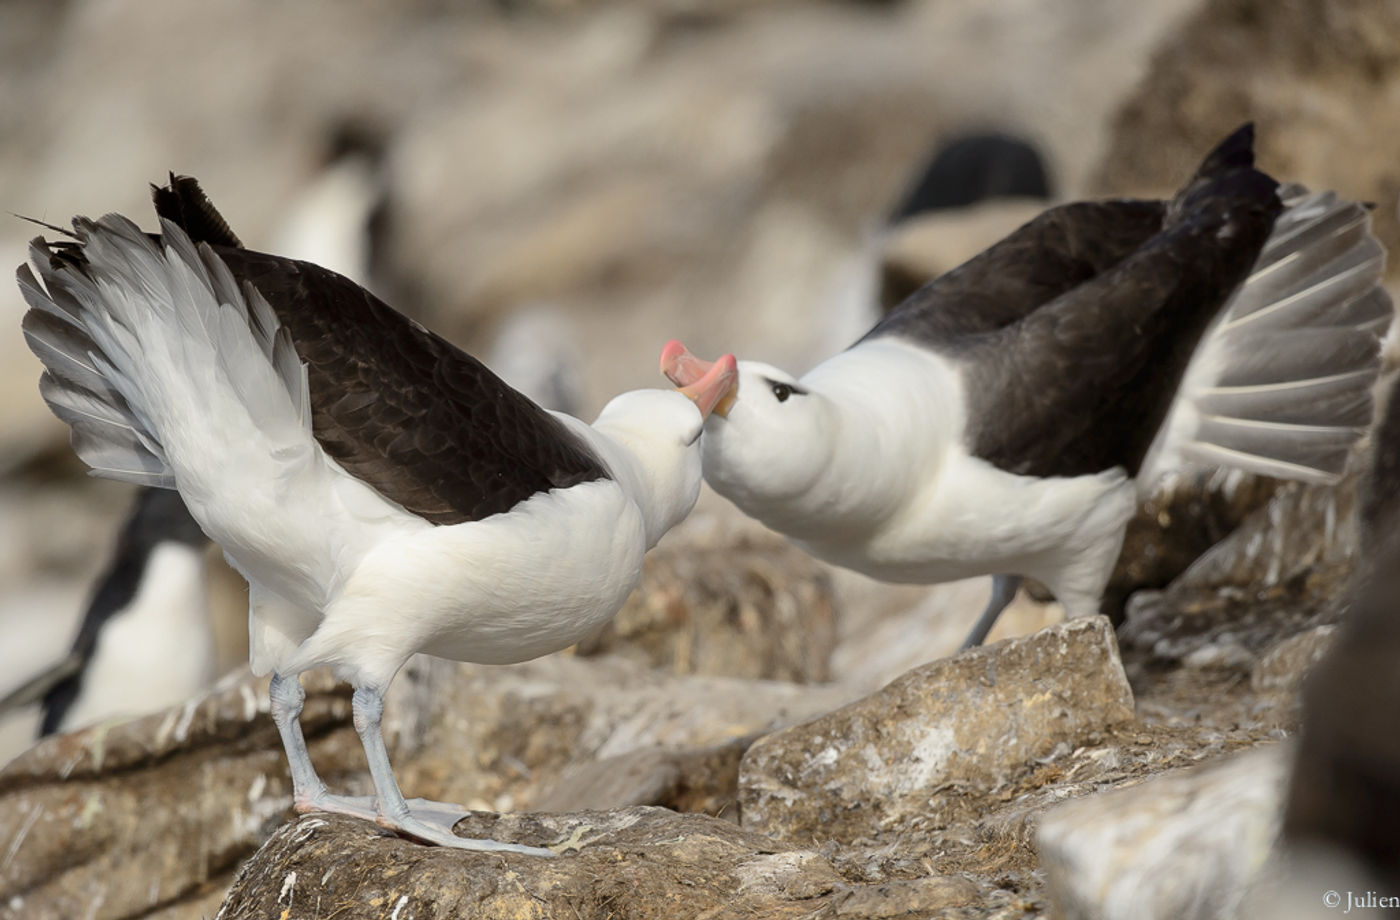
{"x": 881, "y": 756}
{"x": 929, "y": 755}
{"x": 289, "y": 885}
{"x": 182, "y": 728}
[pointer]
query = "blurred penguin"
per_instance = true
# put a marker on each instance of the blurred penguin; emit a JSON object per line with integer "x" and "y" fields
{"x": 145, "y": 642}
{"x": 1003, "y": 175}
{"x": 340, "y": 219}
{"x": 973, "y": 168}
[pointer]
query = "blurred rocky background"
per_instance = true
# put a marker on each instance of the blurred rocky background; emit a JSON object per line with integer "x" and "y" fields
{"x": 560, "y": 186}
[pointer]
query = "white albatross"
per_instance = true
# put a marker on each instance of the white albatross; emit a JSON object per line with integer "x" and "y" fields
{"x": 382, "y": 491}
{"x": 1003, "y": 418}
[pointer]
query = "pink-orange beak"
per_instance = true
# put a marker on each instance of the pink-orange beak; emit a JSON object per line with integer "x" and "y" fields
{"x": 713, "y": 385}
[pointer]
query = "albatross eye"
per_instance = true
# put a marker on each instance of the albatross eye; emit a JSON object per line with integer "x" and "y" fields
{"x": 782, "y": 391}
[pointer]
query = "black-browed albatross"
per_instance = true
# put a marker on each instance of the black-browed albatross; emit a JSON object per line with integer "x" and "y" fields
{"x": 383, "y": 492}
{"x": 996, "y": 421}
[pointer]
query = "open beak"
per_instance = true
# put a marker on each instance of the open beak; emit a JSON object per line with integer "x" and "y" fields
{"x": 712, "y": 385}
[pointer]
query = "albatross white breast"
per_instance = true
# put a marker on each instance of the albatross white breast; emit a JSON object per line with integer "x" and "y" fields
{"x": 383, "y": 492}
{"x": 1000, "y": 421}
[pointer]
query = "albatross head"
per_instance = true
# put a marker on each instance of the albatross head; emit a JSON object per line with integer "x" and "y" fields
{"x": 660, "y": 430}
{"x": 766, "y": 443}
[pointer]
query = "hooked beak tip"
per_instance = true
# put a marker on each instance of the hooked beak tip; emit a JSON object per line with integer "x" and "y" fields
{"x": 681, "y": 367}
{"x": 671, "y": 352}
{"x": 715, "y": 389}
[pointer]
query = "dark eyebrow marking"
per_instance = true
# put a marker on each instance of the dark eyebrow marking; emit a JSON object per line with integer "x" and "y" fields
{"x": 791, "y": 386}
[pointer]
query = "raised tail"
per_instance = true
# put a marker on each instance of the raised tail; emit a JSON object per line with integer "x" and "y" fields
{"x": 133, "y": 331}
{"x": 107, "y": 432}
{"x": 1282, "y": 384}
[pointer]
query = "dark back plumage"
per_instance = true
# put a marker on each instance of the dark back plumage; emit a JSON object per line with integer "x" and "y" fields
{"x": 1075, "y": 331}
{"x": 418, "y": 419}
{"x": 1048, "y": 256}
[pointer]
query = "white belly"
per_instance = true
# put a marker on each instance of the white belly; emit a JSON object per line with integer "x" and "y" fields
{"x": 509, "y": 588}
{"x": 978, "y": 520}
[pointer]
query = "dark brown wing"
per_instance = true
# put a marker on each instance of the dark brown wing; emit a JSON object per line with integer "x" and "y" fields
{"x": 421, "y": 421}
{"x": 1059, "y": 249}
{"x": 1082, "y": 384}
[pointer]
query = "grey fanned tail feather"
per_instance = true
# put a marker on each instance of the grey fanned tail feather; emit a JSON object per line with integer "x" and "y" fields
{"x": 1282, "y": 385}
{"x": 81, "y": 327}
{"x": 106, "y": 433}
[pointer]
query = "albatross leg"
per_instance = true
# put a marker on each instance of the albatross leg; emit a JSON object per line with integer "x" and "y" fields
{"x": 308, "y": 790}
{"x": 1004, "y": 589}
{"x": 287, "y": 696}
{"x": 430, "y": 822}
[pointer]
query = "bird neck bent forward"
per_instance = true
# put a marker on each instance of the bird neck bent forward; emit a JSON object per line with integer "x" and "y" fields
{"x": 875, "y": 424}
{"x": 649, "y": 440}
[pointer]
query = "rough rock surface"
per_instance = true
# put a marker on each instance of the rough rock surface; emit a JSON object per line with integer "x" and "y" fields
{"x": 1179, "y": 522}
{"x": 1181, "y": 846}
{"x": 752, "y": 607}
{"x": 498, "y": 738}
{"x": 1282, "y": 667}
{"x": 1257, "y": 608}
{"x": 703, "y": 780}
{"x": 133, "y": 817}
{"x": 911, "y": 751}
{"x": 151, "y": 814}
{"x": 635, "y": 862}
{"x": 1283, "y": 570}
